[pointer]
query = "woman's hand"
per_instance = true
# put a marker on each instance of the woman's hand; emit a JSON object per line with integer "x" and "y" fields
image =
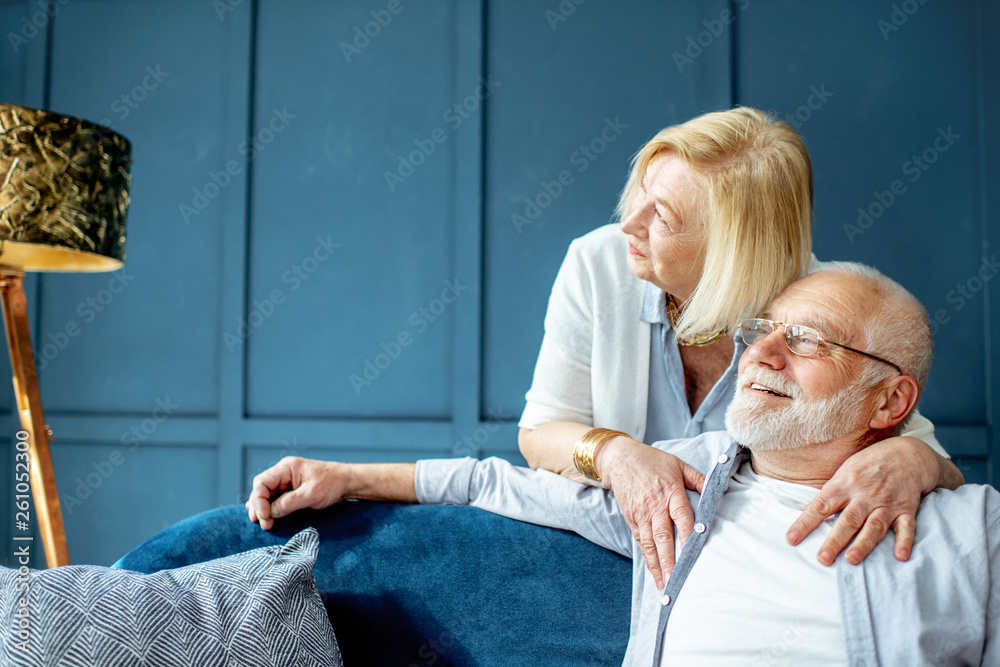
{"x": 301, "y": 483}
{"x": 878, "y": 487}
{"x": 649, "y": 486}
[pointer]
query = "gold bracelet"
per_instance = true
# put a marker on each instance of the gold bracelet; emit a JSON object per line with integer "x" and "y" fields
{"x": 586, "y": 449}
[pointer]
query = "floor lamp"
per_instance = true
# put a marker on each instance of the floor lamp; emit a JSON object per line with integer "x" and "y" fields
{"x": 63, "y": 200}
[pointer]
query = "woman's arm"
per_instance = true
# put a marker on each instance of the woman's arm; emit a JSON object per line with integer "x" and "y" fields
{"x": 550, "y": 447}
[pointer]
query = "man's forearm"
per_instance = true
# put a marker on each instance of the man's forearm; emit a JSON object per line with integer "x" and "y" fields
{"x": 387, "y": 482}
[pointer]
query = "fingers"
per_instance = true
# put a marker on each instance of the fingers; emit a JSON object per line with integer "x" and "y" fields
{"x": 656, "y": 540}
{"x": 854, "y": 522}
{"x": 693, "y": 479}
{"x": 290, "y": 501}
{"x": 906, "y": 528}
{"x": 859, "y": 525}
{"x": 648, "y": 546}
{"x": 812, "y": 516}
{"x": 683, "y": 516}
{"x": 663, "y": 539}
{"x": 266, "y": 485}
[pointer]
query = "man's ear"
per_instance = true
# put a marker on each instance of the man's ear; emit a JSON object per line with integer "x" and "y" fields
{"x": 894, "y": 400}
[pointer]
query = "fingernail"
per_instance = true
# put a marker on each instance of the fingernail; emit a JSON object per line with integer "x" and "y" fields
{"x": 825, "y": 557}
{"x": 904, "y": 553}
{"x": 274, "y": 512}
{"x": 793, "y": 537}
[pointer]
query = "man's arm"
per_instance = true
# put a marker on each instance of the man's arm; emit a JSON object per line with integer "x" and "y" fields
{"x": 538, "y": 497}
{"x": 295, "y": 483}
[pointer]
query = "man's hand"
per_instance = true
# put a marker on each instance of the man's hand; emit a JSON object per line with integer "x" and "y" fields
{"x": 301, "y": 483}
{"x": 649, "y": 486}
{"x": 878, "y": 487}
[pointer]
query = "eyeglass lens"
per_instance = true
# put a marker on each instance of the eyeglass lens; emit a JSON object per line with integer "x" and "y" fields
{"x": 799, "y": 339}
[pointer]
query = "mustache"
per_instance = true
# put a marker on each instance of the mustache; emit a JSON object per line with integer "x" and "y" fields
{"x": 768, "y": 378}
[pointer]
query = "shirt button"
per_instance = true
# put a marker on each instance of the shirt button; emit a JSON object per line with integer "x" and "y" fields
{"x": 849, "y": 579}
{"x": 699, "y": 527}
{"x": 665, "y": 600}
{"x": 723, "y": 458}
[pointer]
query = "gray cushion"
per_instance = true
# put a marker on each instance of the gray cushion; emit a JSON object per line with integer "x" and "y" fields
{"x": 256, "y": 608}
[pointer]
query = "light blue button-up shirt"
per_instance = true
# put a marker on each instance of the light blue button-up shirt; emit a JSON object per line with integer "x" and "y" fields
{"x": 941, "y": 607}
{"x": 668, "y": 415}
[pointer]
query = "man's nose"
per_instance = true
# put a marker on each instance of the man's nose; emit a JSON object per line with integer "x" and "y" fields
{"x": 770, "y": 350}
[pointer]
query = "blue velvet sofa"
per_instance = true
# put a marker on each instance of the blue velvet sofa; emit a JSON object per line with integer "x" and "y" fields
{"x": 415, "y": 585}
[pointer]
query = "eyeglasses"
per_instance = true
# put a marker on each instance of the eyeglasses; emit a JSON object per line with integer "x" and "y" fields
{"x": 801, "y": 340}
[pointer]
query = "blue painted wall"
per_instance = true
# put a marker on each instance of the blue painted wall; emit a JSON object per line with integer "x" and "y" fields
{"x": 341, "y": 244}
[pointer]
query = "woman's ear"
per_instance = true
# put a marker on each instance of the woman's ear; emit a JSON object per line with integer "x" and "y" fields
{"x": 894, "y": 401}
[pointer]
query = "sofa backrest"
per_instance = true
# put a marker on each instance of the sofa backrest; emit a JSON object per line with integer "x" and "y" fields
{"x": 422, "y": 585}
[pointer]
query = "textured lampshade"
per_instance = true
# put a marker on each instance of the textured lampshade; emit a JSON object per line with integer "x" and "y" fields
{"x": 64, "y": 186}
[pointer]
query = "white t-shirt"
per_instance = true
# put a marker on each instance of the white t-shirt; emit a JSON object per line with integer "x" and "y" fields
{"x": 752, "y": 598}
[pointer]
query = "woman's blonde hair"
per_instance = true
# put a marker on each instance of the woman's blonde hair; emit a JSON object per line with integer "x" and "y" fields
{"x": 756, "y": 210}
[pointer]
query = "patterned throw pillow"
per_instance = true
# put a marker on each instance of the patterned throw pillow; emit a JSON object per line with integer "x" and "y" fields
{"x": 256, "y": 608}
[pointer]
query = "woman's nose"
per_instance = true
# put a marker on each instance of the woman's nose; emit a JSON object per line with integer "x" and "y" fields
{"x": 635, "y": 222}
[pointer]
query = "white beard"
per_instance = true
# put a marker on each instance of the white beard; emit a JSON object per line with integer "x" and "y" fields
{"x": 761, "y": 427}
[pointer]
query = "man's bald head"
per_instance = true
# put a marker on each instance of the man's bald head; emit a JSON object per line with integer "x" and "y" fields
{"x": 893, "y": 323}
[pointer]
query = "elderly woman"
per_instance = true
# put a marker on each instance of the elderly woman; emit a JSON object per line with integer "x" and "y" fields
{"x": 639, "y": 338}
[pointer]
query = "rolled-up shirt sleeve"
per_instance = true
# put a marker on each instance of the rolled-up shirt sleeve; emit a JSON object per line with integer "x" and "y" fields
{"x": 533, "y": 496}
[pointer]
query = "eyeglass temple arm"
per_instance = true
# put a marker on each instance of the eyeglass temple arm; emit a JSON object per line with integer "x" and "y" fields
{"x": 870, "y": 356}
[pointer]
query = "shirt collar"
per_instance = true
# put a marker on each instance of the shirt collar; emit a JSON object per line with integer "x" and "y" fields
{"x": 654, "y": 305}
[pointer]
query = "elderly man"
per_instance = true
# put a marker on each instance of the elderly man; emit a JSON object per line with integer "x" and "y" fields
{"x": 835, "y": 364}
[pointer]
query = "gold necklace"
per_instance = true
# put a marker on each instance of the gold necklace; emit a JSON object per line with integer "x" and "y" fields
{"x": 698, "y": 340}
